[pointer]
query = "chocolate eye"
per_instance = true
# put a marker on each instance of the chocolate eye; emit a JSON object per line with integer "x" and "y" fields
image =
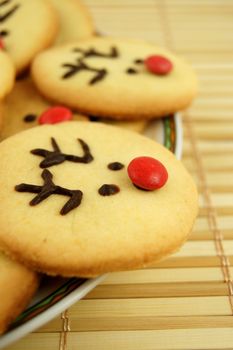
{"x": 29, "y": 118}
{"x": 4, "y": 33}
{"x": 108, "y": 190}
{"x": 93, "y": 118}
{"x": 138, "y": 61}
{"x": 115, "y": 166}
{"x": 131, "y": 71}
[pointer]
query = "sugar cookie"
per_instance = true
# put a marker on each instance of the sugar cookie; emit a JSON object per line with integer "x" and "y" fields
{"x": 68, "y": 206}
{"x": 112, "y": 78}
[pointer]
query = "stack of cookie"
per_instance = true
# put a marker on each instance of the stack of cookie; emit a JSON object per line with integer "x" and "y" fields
{"x": 80, "y": 198}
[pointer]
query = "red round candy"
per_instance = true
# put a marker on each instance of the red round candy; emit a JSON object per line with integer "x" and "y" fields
{"x": 158, "y": 65}
{"x": 2, "y": 46}
{"x": 55, "y": 115}
{"x": 147, "y": 173}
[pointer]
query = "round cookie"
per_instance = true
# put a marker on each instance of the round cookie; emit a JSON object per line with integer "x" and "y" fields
{"x": 17, "y": 286}
{"x": 85, "y": 216}
{"x": 7, "y": 74}
{"x": 22, "y": 108}
{"x": 75, "y": 20}
{"x": 26, "y": 28}
{"x": 110, "y": 78}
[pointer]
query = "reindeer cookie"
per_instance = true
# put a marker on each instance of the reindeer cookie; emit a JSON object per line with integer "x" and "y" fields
{"x": 17, "y": 286}
{"x": 26, "y": 27}
{"x": 75, "y": 20}
{"x": 115, "y": 78}
{"x": 82, "y": 199}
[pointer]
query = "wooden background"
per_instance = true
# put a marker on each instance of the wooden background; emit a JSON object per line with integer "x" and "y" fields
{"x": 185, "y": 302}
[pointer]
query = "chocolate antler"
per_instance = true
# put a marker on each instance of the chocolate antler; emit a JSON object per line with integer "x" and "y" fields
{"x": 75, "y": 68}
{"x": 81, "y": 65}
{"x": 56, "y": 157}
{"x": 5, "y": 16}
{"x": 94, "y": 53}
{"x": 48, "y": 189}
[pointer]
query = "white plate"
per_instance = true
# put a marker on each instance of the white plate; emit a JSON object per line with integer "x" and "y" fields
{"x": 57, "y": 294}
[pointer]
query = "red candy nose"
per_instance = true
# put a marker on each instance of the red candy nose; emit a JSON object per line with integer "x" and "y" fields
{"x": 55, "y": 115}
{"x": 147, "y": 173}
{"x": 2, "y": 46}
{"x": 158, "y": 65}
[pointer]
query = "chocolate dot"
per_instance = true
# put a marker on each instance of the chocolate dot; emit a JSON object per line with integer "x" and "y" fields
{"x": 138, "y": 61}
{"x": 93, "y": 118}
{"x": 4, "y": 33}
{"x": 115, "y": 166}
{"x": 131, "y": 71}
{"x": 29, "y": 118}
{"x": 108, "y": 190}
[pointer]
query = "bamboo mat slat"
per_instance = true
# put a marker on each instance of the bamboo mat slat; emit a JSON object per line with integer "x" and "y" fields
{"x": 208, "y": 147}
{"x": 172, "y": 339}
{"x": 155, "y": 290}
{"x": 186, "y": 300}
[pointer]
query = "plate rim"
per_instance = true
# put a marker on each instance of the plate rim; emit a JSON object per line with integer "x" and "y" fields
{"x": 179, "y": 135}
{"x": 50, "y": 313}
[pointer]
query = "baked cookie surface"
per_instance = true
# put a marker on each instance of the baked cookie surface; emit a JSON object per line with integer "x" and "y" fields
{"x": 22, "y": 108}
{"x": 109, "y": 77}
{"x": 27, "y": 27}
{"x": 75, "y": 20}
{"x": 68, "y": 207}
{"x": 7, "y": 74}
{"x": 18, "y": 284}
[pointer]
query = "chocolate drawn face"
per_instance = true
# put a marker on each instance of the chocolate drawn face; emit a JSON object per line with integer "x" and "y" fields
{"x": 56, "y": 157}
{"x": 158, "y": 65}
{"x": 30, "y": 118}
{"x": 99, "y": 74}
{"x": 146, "y": 173}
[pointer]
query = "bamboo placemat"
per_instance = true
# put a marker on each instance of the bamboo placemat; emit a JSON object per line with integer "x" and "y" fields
{"x": 185, "y": 302}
